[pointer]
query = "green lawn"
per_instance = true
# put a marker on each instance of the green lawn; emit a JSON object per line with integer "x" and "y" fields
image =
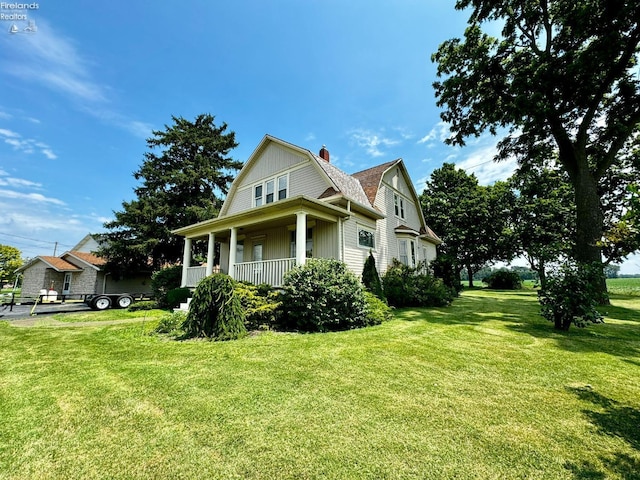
{"x": 482, "y": 389}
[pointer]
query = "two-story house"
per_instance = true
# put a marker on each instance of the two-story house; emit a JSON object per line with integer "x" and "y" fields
{"x": 288, "y": 204}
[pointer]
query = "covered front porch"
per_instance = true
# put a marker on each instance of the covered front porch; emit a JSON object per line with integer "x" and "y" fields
{"x": 261, "y": 244}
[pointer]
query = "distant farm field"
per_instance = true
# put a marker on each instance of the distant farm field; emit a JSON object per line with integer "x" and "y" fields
{"x": 624, "y": 286}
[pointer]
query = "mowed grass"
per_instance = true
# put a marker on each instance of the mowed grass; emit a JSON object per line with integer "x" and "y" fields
{"x": 482, "y": 389}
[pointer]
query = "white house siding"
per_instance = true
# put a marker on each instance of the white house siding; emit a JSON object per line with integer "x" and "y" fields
{"x": 307, "y": 181}
{"x": 325, "y": 240}
{"x": 276, "y": 242}
{"x": 394, "y": 183}
{"x": 274, "y": 159}
{"x": 354, "y": 255}
{"x": 241, "y": 201}
{"x": 304, "y": 178}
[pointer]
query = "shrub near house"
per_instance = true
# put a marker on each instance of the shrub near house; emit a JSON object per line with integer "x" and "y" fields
{"x": 323, "y": 295}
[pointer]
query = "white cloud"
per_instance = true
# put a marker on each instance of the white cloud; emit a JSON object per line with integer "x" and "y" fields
{"x": 439, "y": 132}
{"x": 372, "y": 142}
{"x": 26, "y": 145}
{"x": 36, "y": 228}
{"x": 30, "y": 197}
{"x": 7, "y": 181}
{"x": 53, "y": 60}
{"x": 480, "y": 162}
{"x": 49, "y": 154}
{"x": 8, "y": 133}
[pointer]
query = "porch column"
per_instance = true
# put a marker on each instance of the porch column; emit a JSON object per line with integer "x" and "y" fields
{"x": 301, "y": 238}
{"x": 186, "y": 260}
{"x": 233, "y": 247}
{"x": 211, "y": 253}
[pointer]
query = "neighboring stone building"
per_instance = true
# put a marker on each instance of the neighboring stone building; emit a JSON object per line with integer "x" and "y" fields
{"x": 76, "y": 272}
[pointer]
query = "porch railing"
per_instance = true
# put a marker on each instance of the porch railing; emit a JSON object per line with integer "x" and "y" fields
{"x": 266, "y": 271}
{"x": 195, "y": 274}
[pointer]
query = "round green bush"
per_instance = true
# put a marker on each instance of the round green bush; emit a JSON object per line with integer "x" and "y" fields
{"x": 570, "y": 296}
{"x": 503, "y": 280}
{"x": 377, "y": 310}
{"x": 323, "y": 295}
{"x": 260, "y": 305}
{"x": 405, "y": 286}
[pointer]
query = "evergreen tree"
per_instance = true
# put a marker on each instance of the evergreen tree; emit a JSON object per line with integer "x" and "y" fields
{"x": 183, "y": 177}
{"x": 371, "y": 278}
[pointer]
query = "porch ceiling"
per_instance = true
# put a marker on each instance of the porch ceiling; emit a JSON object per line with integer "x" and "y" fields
{"x": 280, "y": 213}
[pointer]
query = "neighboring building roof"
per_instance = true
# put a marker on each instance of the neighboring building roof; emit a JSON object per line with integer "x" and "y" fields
{"x": 89, "y": 258}
{"x": 57, "y": 263}
{"x": 370, "y": 178}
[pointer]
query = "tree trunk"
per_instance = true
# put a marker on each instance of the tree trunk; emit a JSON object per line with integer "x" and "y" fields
{"x": 470, "y": 273}
{"x": 542, "y": 275}
{"x": 589, "y": 223}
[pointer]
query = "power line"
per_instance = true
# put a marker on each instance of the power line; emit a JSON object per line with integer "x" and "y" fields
{"x": 38, "y": 243}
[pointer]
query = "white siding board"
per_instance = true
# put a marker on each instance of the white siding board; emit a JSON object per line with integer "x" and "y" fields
{"x": 273, "y": 160}
{"x": 241, "y": 201}
{"x": 307, "y": 181}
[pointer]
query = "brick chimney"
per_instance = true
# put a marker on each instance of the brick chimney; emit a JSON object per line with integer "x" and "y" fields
{"x": 324, "y": 153}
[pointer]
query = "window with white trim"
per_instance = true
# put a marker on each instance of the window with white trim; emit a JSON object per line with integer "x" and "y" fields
{"x": 270, "y": 187}
{"x": 398, "y": 203}
{"x": 366, "y": 238}
{"x": 283, "y": 184}
{"x": 271, "y": 190}
{"x": 407, "y": 252}
{"x": 402, "y": 252}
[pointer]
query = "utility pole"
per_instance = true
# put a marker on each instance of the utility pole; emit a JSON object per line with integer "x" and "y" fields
{"x": 55, "y": 248}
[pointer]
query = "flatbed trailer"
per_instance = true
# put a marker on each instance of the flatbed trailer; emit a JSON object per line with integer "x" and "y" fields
{"x": 102, "y": 301}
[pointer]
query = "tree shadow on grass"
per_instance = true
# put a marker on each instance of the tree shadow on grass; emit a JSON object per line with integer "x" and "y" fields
{"x": 614, "y": 419}
{"x": 520, "y": 312}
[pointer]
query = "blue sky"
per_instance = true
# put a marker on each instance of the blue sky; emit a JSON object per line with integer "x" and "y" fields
{"x": 82, "y": 93}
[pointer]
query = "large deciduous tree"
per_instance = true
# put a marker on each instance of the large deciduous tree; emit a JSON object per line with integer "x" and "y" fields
{"x": 472, "y": 220}
{"x": 183, "y": 177}
{"x": 543, "y": 216}
{"x": 10, "y": 260}
{"x": 560, "y": 73}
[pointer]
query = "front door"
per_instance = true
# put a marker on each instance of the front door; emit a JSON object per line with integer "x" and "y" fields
{"x": 257, "y": 267}
{"x": 66, "y": 284}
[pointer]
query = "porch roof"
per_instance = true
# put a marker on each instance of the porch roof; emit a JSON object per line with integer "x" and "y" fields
{"x": 314, "y": 208}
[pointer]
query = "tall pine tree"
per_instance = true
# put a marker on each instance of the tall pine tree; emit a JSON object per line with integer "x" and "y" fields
{"x": 184, "y": 176}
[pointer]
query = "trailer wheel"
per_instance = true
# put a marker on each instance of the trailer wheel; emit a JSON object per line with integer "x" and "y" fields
{"x": 124, "y": 301}
{"x": 101, "y": 303}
